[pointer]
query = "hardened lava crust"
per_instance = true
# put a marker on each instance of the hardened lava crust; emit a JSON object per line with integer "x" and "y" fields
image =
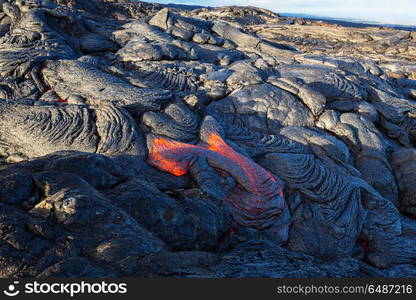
{"x": 143, "y": 140}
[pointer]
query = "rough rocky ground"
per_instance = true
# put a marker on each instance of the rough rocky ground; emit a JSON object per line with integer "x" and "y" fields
{"x": 142, "y": 141}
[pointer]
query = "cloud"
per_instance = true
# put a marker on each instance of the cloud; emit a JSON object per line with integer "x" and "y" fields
{"x": 397, "y": 11}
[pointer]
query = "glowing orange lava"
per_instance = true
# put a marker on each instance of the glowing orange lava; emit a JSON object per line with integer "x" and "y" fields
{"x": 257, "y": 200}
{"x": 164, "y": 162}
{"x": 253, "y": 172}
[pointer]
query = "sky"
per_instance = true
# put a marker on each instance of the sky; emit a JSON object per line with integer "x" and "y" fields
{"x": 402, "y": 12}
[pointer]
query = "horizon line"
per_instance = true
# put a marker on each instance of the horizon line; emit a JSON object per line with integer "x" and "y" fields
{"x": 294, "y": 14}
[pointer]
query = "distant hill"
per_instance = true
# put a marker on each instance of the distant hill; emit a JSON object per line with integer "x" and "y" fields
{"x": 348, "y": 22}
{"x": 339, "y": 21}
{"x": 184, "y": 6}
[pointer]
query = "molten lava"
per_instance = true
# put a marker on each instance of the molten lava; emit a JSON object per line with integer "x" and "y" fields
{"x": 256, "y": 201}
{"x": 159, "y": 157}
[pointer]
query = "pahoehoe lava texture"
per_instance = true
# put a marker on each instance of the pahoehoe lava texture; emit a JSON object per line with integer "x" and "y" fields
{"x": 138, "y": 140}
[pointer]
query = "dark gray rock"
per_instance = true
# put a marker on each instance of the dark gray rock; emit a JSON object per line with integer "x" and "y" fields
{"x": 404, "y": 162}
{"x": 177, "y": 122}
{"x": 264, "y": 108}
{"x": 38, "y": 130}
{"x": 185, "y": 264}
{"x": 325, "y": 80}
{"x": 163, "y": 75}
{"x": 155, "y": 211}
{"x": 74, "y": 77}
{"x": 322, "y": 212}
{"x": 63, "y": 227}
{"x": 370, "y": 148}
{"x": 245, "y": 40}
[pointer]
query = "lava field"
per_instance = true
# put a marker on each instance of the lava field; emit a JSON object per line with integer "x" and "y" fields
{"x": 139, "y": 140}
